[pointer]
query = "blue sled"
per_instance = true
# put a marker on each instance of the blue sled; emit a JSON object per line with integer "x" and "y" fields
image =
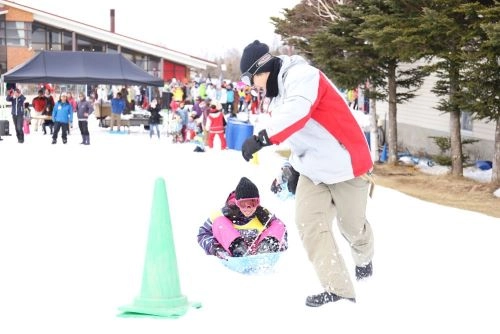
{"x": 252, "y": 264}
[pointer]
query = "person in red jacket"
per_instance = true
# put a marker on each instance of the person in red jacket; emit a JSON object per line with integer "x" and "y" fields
{"x": 331, "y": 155}
{"x": 39, "y": 103}
{"x": 216, "y": 124}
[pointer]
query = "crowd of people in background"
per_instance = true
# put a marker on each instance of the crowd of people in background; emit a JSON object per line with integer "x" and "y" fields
{"x": 195, "y": 111}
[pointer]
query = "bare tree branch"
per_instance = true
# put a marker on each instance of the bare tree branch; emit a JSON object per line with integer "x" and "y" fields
{"x": 325, "y": 9}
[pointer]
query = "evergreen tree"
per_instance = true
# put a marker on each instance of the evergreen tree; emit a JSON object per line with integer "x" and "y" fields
{"x": 298, "y": 26}
{"x": 387, "y": 26}
{"x": 351, "y": 62}
{"x": 481, "y": 94}
{"x": 360, "y": 43}
{"x": 447, "y": 30}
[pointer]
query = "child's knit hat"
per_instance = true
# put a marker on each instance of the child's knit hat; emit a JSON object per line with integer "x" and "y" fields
{"x": 246, "y": 189}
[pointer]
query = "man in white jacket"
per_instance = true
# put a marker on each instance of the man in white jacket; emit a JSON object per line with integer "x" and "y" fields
{"x": 329, "y": 150}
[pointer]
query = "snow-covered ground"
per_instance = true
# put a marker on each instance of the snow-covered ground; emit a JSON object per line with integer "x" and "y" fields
{"x": 74, "y": 225}
{"x": 471, "y": 172}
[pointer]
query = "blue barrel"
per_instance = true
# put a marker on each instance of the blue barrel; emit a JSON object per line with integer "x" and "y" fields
{"x": 236, "y": 133}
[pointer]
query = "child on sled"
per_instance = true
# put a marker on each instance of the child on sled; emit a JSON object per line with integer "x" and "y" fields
{"x": 242, "y": 227}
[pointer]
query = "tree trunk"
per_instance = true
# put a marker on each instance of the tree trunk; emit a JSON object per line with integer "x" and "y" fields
{"x": 495, "y": 173}
{"x": 455, "y": 135}
{"x": 392, "y": 131}
{"x": 456, "y": 144}
{"x": 373, "y": 130}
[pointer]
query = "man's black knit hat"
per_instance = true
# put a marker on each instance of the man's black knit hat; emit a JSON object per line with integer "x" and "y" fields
{"x": 251, "y": 54}
{"x": 246, "y": 189}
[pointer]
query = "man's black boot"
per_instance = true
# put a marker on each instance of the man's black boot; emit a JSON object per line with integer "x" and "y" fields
{"x": 364, "y": 271}
{"x": 323, "y": 298}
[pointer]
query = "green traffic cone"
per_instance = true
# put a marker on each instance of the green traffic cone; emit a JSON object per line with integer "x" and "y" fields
{"x": 160, "y": 293}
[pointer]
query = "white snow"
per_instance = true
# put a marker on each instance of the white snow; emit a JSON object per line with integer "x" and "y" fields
{"x": 471, "y": 172}
{"x": 73, "y": 234}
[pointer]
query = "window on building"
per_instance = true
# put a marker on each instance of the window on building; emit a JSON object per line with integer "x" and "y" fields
{"x": 3, "y": 59}
{"x": 466, "y": 121}
{"x": 153, "y": 66}
{"x": 38, "y": 39}
{"x": 67, "y": 41}
{"x": 137, "y": 58}
{"x": 15, "y": 33}
{"x": 84, "y": 43}
{"x": 54, "y": 41}
{"x": 111, "y": 48}
{"x": 49, "y": 38}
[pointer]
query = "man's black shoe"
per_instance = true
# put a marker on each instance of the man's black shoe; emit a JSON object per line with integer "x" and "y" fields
{"x": 323, "y": 298}
{"x": 364, "y": 272}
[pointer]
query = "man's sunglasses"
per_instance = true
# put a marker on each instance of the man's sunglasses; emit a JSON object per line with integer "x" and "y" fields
{"x": 247, "y": 77}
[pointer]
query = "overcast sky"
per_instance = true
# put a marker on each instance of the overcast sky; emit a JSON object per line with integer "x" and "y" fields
{"x": 200, "y": 28}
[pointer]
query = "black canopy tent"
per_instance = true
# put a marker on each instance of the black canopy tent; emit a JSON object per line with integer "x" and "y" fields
{"x": 80, "y": 67}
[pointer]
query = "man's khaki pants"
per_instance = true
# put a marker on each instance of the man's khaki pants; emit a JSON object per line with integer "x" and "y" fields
{"x": 38, "y": 121}
{"x": 316, "y": 207}
{"x": 115, "y": 118}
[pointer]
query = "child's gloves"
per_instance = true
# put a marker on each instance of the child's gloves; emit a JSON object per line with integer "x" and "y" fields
{"x": 238, "y": 247}
{"x": 254, "y": 144}
{"x": 288, "y": 177}
{"x": 275, "y": 186}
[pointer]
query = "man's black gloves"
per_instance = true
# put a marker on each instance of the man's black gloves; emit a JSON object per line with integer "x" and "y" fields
{"x": 292, "y": 177}
{"x": 254, "y": 144}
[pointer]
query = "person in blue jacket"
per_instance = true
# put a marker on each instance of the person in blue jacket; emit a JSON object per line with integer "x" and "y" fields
{"x": 17, "y": 99}
{"x": 62, "y": 115}
{"x": 117, "y": 109}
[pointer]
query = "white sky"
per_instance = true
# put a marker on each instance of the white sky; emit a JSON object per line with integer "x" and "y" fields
{"x": 74, "y": 222}
{"x": 200, "y": 28}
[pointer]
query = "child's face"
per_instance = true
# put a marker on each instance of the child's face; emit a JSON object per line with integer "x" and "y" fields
{"x": 248, "y": 206}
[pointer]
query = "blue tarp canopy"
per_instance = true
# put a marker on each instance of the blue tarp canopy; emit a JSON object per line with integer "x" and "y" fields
{"x": 92, "y": 68}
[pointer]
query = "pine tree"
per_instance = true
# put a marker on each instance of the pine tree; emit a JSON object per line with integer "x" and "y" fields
{"x": 481, "y": 94}
{"x": 358, "y": 41}
{"x": 386, "y": 27}
{"x": 446, "y": 32}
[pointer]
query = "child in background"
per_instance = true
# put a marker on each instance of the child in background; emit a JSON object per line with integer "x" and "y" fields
{"x": 216, "y": 125}
{"x": 175, "y": 128}
{"x": 48, "y": 121}
{"x": 154, "y": 119}
{"x": 242, "y": 227}
{"x": 27, "y": 118}
{"x": 191, "y": 127}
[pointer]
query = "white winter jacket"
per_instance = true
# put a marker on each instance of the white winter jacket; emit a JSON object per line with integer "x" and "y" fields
{"x": 326, "y": 142}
